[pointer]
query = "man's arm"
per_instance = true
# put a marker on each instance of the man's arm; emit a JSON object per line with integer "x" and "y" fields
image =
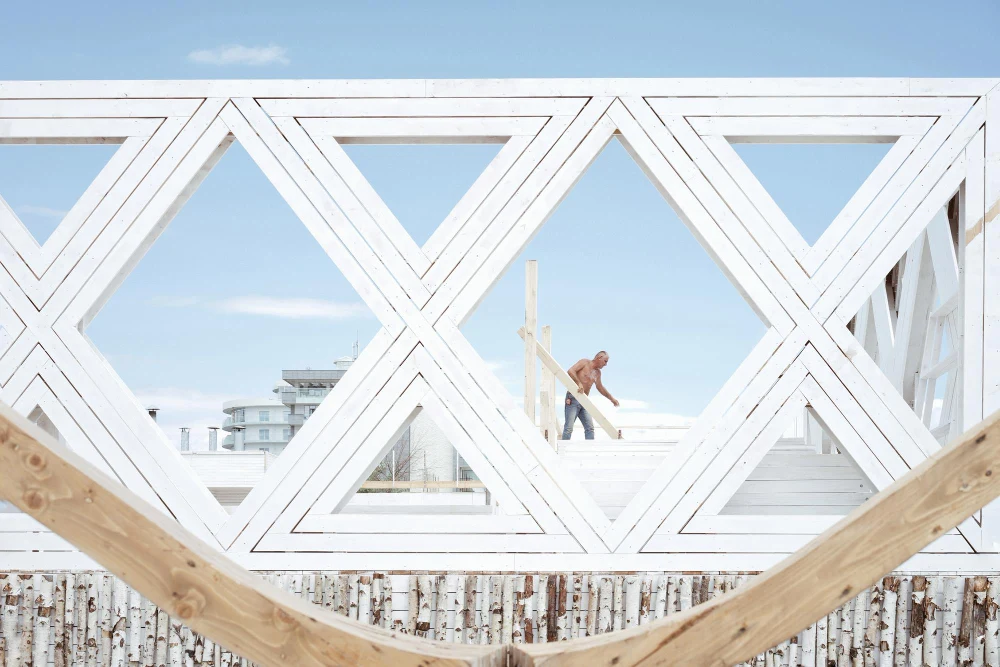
{"x": 605, "y": 392}
{"x": 573, "y": 370}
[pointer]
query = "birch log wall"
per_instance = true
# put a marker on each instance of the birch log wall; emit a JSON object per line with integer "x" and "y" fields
{"x": 927, "y": 214}
{"x": 92, "y": 618}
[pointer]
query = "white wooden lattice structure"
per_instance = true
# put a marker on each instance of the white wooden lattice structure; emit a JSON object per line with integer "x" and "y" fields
{"x": 679, "y": 132}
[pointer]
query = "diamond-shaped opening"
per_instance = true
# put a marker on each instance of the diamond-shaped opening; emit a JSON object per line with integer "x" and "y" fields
{"x": 618, "y": 271}
{"x": 235, "y": 326}
{"x": 806, "y": 471}
{"x": 811, "y": 183}
{"x": 41, "y": 182}
{"x": 421, "y": 184}
{"x": 911, "y": 322}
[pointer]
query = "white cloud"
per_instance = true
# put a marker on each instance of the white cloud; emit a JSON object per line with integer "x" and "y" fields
{"x": 293, "y": 308}
{"x": 494, "y": 366}
{"x": 237, "y": 54}
{"x": 43, "y": 211}
{"x": 632, "y": 404}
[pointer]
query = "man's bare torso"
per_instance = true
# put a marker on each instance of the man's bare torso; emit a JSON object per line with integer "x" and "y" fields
{"x": 587, "y": 374}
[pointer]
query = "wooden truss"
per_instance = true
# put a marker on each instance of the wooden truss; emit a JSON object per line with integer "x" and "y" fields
{"x": 680, "y": 132}
{"x": 203, "y": 589}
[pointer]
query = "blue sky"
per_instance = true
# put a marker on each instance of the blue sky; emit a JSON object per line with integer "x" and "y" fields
{"x": 236, "y": 289}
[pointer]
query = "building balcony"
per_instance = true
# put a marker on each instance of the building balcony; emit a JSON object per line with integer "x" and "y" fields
{"x": 305, "y": 378}
{"x": 228, "y": 442}
{"x": 227, "y": 424}
{"x": 296, "y": 420}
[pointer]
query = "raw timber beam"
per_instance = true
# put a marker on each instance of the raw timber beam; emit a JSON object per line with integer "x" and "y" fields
{"x": 549, "y": 362}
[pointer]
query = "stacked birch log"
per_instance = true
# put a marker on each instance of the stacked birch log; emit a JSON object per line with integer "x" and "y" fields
{"x": 92, "y": 618}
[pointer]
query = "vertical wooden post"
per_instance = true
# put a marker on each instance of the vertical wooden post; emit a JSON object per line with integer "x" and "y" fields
{"x": 593, "y": 584}
{"x": 576, "y": 619}
{"x": 530, "y": 335}
{"x": 550, "y": 424}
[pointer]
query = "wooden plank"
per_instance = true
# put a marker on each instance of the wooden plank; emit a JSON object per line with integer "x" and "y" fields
{"x": 423, "y": 130}
{"x": 811, "y": 106}
{"x": 893, "y": 513}
{"x": 424, "y": 107}
{"x": 57, "y": 484}
{"x": 553, "y": 366}
{"x": 815, "y": 129}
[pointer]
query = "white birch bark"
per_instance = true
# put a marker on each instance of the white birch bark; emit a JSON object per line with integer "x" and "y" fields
{"x": 412, "y": 604}
{"x": 162, "y": 636}
{"x": 149, "y": 634}
{"x": 483, "y": 605}
{"x": 576, "y": 604}
{"x": 631, "y": 602}
{"x": 871, "y": 639}
{"x": 470, "y": 609}
{"x": 387, "y": 603}
{"x": 822, "y": 654}
{"x": 918, "y": 590}
{"x": 645, "y": 598}
{"x": 364, "y": 599}
{"x": 517, "y": 632}
{"x": 11, "y": 600}
{"x": 496, "y": 609}
{"x": 378, "y": 600}
{"x": 441, "y": 612}
{"x": 507, "y": 628}
{"x": 890, "y": 594}
{"x": 671, "y": 603}
{"x": 461, "y": 606}
{"x": 992, "y": 657}
{"x": 605, "y": 621}
{"x": 619, "y": 603}
{"x": 119, "y": 620}
{"x": 846, "y": 638}
{"x": 684, "y": 586}
{"x": 660, "y": 607}
{"x": 930, "y": 631}
{"x": 104, "y": 615}
{"x": 27, "y": 633}
{"x": 353, "y": 592}
{"x": 425, "y": 586}
{"x": 808, "y": 639}
{"x": 43, "y": 619}
{"x": 593, "y": 604}
{"x": 902, "y": 637}
{"x": 541, "y": 610}
{"x": 135, "y": 626}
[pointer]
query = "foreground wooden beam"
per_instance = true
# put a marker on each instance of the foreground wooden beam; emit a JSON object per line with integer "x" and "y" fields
{"x": 873, "y": 539}
{"x": 550, "y": 363}
{"x": 202, "y": 588}
{"x": 194, "y": 582}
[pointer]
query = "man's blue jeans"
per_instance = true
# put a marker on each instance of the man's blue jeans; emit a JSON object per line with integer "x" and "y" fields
{"x": 574, "y": 410}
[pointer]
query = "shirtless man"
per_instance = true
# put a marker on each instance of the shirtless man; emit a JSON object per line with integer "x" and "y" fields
{"x": 585, "y": 373}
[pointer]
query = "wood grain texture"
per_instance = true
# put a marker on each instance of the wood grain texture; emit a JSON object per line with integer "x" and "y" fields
{"x": 907, "y": 516}
{"x": 198, "y": 585}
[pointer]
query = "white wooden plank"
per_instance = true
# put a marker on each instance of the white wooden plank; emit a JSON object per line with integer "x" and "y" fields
{"x": 404, "y": 543}
{"x": 98, "y": 108}
{"x": 814, "y": 129}
{"x": 423, "y": 130}
{"x": 75, "y": 130}
{"x": 419, "y": 107}
{"x": 810, "y": 106}
{"x": 416, "y": 523}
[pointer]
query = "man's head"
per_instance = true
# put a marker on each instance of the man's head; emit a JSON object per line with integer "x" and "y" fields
{"x": 601, "y": 359}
